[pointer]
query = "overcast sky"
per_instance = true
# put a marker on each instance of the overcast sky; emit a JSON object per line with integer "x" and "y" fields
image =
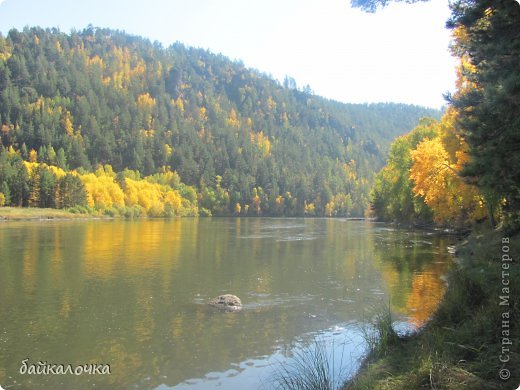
{"x": 399, "y": 54}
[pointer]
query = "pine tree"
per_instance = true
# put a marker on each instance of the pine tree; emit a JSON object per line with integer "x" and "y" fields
{"x": 488, "y": 101}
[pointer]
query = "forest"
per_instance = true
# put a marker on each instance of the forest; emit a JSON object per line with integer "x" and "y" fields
{"x": 104, "y": 122}
{"x": 462, "y": 172}
{"x": 464, "y": 168}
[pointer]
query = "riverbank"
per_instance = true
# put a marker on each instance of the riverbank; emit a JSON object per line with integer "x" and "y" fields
{"x": 37, "y": 214}
{"x": 472, "y": 340}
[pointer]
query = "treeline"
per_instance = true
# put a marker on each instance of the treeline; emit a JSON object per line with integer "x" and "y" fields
{"x": 38, "y": 184}
{"x": 421, "y": 182}
{"x": 243, "y": 142}
{"x": 465, "y": 168}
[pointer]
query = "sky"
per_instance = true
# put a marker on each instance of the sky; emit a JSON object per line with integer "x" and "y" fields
{"x": 399, "y": 54}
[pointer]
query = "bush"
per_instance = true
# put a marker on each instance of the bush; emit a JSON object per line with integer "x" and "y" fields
{"x": 78, "y": 210}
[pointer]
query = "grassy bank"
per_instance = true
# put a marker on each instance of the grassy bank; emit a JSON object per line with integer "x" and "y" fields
{"x": 461, "y": 347}
{"x": 33, "y": 213}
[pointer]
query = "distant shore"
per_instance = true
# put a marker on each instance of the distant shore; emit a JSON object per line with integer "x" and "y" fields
{"x": 44, "y": 214}
{"x": 41, "y": 214}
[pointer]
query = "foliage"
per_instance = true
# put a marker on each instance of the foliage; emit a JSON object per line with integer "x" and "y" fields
{"x": 40, "y": 185}
{"x": 392, "y": 195}
{"x": 214, "y": 199}
{"x": 471, "y": 167}
{"x": 436, "y": 178}
{"x": 99, "y": 97}
{"x": 422, "y": 181}
{"x": 373, "y": 5}
{"x": 70, "y": 192}
{"x": 487, "y": 40}
{"x": 102, "y": 190}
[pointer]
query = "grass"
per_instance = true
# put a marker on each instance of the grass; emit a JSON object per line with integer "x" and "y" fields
{"x": 33, "y": 213}
{"x": 81, "y": 212}
{"x": 460, "y": 347}
{"x": 379, "y": 334}
{"x": 311, "y": 368}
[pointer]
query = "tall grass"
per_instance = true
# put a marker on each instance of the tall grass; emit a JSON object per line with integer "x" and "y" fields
{"x": 379, "y": 333}
{"x": 312, "y": 367}
{"x": 317, "y": 366}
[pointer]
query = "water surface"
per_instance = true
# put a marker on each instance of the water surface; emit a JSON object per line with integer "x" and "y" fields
{"x": 133, "y": 294}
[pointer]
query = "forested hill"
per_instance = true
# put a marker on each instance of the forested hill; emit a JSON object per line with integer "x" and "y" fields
{"x": 247, "y": 144}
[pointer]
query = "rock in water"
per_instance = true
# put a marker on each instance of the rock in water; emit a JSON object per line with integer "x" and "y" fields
{"x": 226, "y": 302}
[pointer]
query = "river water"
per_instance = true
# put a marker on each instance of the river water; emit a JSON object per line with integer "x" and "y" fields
{"x": 133, "y": 295}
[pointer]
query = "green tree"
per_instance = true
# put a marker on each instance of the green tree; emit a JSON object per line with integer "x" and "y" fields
{"x": 214, "y": 199}
{"x": 71, "y": 192}
{"x": 61, "y": 159}
{"x": 47, "y": 188}
{"x": 488, "y": 99}
{"x": 19, "y": 185}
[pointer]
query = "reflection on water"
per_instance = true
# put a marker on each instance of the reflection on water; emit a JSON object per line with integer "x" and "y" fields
{"x": 133, "y": 294}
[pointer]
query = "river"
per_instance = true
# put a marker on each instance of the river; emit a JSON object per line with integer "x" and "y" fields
{"x": 133, "y": 295}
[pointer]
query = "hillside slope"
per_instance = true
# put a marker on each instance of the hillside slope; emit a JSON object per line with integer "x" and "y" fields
{"x": 244, "y": 141}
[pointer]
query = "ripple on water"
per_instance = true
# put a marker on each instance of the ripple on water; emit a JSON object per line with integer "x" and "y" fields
{"x": 299, "y": 237}
{"x": 264, "y": 300}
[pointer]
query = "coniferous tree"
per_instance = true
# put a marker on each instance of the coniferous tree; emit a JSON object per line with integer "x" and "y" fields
{"x": 488, "y": 99}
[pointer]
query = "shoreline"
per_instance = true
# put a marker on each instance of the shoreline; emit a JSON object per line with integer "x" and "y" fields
{"x": 464, "y": 344}
{"x": 13, "y": 214}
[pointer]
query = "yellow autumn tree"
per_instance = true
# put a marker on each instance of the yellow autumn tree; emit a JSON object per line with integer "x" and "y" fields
{"x": 147, "y": 195}
{"x": 339, "y": 205}
{"x": 233, "y": 120}
{"x": 256, "y": 201}
{"x": 262, "y": 142}
{"x": 309, "y": 208}
{"x": 168, "y": 150}
{"x": 67, "y": 124}
{"x": 155, "y": 199}
{"x": 174, "y": 200}
{"x": 33, "y": 156}
{"x": 145, "y": 101}
{"x": 436, "y": 178}
{"x": 179, "y": 104}
{"x": 102, "y": 190}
